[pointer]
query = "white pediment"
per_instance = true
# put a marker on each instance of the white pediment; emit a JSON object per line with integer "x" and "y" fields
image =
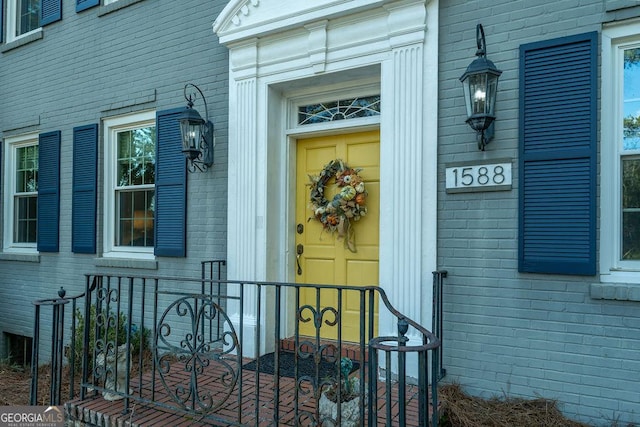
{"x": 244, "y": 19}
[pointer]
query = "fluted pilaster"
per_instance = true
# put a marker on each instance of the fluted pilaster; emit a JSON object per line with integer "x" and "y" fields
{"x": 402, "y": 191}
{"x": 242, "y": 179}
{"x": 241, "y": 238}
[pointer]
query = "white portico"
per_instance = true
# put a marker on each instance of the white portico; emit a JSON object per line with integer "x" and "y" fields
{"x": 286, "y": 53}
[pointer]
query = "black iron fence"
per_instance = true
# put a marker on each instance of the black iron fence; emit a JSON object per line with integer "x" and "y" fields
{"x": 56, "y": 353}
{"x": 246, "y": 353}
{"x": 437, "y": 320}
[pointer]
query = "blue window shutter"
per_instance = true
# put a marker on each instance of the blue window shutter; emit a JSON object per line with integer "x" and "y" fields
{"x": 85, "y": 4}
{"x": 51, "y": 11}
{"x": 48, "y": 191}
{"x": 171, "y": 185}
{"x": 558, "y": 107}
{"x": 83, "y": 214}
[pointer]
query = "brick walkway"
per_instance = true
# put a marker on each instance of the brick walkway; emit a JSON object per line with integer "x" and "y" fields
{"x": 96, "y": 411}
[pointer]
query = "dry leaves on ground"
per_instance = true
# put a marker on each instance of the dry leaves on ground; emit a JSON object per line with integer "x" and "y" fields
{"x": 458, "y": 409}
{"x": 15, "y": 385}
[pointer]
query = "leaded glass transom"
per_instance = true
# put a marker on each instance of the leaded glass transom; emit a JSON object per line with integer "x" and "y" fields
{"x": 343, "y": 109}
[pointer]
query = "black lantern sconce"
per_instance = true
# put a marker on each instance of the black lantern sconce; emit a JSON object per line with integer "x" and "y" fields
{"x": 480, "y": 83}
{"x": 197, "y": 133}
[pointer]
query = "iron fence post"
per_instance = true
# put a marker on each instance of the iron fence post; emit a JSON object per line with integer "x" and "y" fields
{"x": 35, "y": 349}
{"x": 403, "y": 327}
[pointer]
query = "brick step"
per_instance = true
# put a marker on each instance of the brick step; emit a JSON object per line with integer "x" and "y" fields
{"x": 350, "y": 350}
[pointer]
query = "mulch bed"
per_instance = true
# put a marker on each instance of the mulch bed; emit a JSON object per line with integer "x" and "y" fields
{"x": 15, "y": 386}
{"x": 458, "y": 409}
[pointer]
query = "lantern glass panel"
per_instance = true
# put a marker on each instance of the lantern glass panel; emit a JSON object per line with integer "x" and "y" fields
{"x": 478, "y": 93}
{"x": 467, "y": 96}
{"x": 191, "y": 135}
{"x": 492, "y": 88}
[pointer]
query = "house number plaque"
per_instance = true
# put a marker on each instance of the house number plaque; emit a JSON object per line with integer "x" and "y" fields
{"x": 468, "y": 177}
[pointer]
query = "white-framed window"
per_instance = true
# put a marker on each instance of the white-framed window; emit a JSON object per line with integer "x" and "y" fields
{"x": 21, "y": 193}
{"x": 23, "y": 18}
{"x": 620, "y": 148}
{"x": 129, "y": 185}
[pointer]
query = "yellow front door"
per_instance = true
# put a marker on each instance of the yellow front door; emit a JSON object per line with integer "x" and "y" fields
{"x": 325, "y": 259}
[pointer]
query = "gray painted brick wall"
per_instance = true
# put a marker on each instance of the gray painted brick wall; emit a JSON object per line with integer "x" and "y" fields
{"x": 507, "y": 333}
{"x": 90, "y": 66}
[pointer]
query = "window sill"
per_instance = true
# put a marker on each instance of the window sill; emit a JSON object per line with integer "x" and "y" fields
{"x": 120, "y": 4}
{"x": 614, "y": 5}
{"x": 615, "y": 291}
{"x": 22, "y": 257}
{"x": 142, "y": 264}
{"x": 37, "y": 35}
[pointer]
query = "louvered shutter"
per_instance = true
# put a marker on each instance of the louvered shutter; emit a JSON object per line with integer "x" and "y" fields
{"x": 558, "y": 95}
{"x": 48, "y": 191}
{"x": 51, "y": 11}
{"x": 171, "y": 185}
{"x": 84, "y": 187}
{"x": 85, "y": 4}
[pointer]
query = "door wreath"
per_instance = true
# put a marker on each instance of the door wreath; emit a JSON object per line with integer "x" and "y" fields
{"x": 347, "y": 205}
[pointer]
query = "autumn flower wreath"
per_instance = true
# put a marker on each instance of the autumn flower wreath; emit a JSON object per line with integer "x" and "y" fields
{"x": 347, "y": 205}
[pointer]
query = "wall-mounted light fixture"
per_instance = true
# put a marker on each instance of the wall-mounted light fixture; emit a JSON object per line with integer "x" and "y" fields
{"x": 197, "y": 133}
{"x": 480, "y": 83}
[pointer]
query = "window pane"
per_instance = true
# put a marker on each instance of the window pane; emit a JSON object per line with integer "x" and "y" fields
{"x": 124, "y": 159}
{"x": 26, "y": 219}
{"x": 27, "y": 169}
{"x": 135, "y": 218}
{"x": 136, "y": 157}
{"x": 631, "y": 209}
{"x": 631, "y": 238}
{"x": 631, "y": 82}
{"x": 28, "y": 18}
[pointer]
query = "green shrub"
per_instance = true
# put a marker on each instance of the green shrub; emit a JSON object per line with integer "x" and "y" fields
{"x": 139, "y": 339}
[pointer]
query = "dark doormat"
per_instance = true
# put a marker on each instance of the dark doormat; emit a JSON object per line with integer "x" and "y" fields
{"x": 287, "y": 366}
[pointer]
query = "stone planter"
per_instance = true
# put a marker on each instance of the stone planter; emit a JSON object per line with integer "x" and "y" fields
{"x": 115, "y": 363}
{"x": 350, "y": 410}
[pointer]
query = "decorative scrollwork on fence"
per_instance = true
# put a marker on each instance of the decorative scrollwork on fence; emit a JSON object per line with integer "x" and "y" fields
{"x": 321, "y": 354}
{"x": 188, "y": 339}
{"x": 318, "y": 317}
{"x": 105, "y": 335}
